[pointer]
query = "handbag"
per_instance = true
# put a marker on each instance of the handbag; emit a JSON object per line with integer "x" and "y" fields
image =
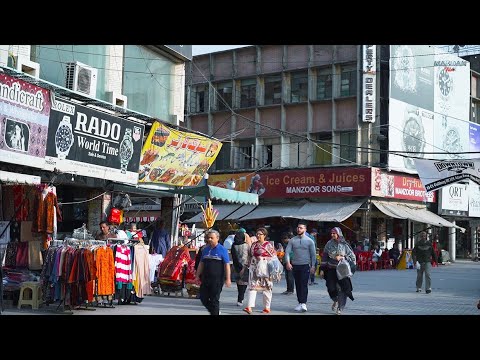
{"x": 262, "y": 268}
{"x": 275, "y": 269}
{"x": 343, "y": 269}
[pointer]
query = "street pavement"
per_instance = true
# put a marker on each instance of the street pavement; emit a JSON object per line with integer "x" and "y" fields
{"x": 455, "y": 291}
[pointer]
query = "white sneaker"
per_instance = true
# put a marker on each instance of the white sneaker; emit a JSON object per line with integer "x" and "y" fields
{"x": 303, "y": 307}
{"x": 239, "y": 303}
{"x": 298, "y": 307}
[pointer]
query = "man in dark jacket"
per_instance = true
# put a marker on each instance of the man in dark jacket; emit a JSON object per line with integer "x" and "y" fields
{"x": 423, "y": 253}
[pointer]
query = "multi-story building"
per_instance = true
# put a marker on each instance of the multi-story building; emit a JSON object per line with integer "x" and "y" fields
{"x": 340, "y": 121}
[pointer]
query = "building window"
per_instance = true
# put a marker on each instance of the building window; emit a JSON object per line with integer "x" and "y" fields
{"x": 348, "y": 153}
{"x": 268, "y": 156}
{"x": 222, "y": 162}
{"x": 273, "y": 89}
{"x": 475, "y": 114}
{"x": 198, "y": 98}
{"x": 324, "y": 87}
{"x": 323, "y": 149}
{"x": 145, "y": 69}
{"x": 348, "y": 83}
{"x": 224, "y": 96}
{"x": 299, "y": 87}
{"x": 245, "y": 157}
{"x": 248, "y": 93}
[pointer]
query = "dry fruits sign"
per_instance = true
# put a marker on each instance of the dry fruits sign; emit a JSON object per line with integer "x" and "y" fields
{"x": 399, "y": 187}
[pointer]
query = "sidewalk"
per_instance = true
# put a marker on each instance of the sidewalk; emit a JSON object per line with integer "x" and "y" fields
{"x": 455, "y": 291}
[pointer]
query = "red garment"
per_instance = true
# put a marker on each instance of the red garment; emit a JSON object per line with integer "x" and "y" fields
{"x": 20, "y": 202}
{"x": 265, "y": 249}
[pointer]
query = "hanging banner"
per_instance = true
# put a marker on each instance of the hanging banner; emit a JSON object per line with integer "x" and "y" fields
{"x": 89, "y": 142}
{"x": 369, "y": 68}
{"x": 436, "y": 174}
{"x": 175, "y": 157}
{"x": 24, "y": 114}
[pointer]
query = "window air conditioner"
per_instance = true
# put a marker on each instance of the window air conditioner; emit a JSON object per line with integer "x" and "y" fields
{"x": 81, "y": 78}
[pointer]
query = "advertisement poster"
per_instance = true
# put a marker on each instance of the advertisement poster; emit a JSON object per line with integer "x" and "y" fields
{"x": 454, "y": 200}
{"x": 399, "y": 187}
{"x": 236, "y": 181}
{"x": 429, "y": 106}
{"x": 175, "y": 157}
{"x": 24, "y": 119}
{"x": 85, "y": 141}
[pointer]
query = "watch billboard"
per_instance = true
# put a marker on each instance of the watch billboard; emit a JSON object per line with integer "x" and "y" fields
{"x": 85, "y": 141}
{"x": 429, "y": 106}
{"x": 24, "y": 117}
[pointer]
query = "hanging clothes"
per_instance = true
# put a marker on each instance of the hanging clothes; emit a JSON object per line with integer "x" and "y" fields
{"x": 44, "y": 208}
{"x": 105, "y": 266}
{"x": 142, "y": 271}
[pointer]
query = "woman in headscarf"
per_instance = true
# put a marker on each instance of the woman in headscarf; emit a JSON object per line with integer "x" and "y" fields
{"x": 240, "y": 272}
{"x": 335, "y": 250}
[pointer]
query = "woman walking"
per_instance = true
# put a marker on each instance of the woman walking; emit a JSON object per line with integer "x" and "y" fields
{"x": 239, "y": 252}
{"x": 260, "y": 253}
{"x": 335, "y": 250}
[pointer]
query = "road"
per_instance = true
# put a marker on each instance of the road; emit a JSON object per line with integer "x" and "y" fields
{"x": 455, "y": 291}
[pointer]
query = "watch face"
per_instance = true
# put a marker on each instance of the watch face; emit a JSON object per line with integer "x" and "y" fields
{"x": 404, "y": 67}
{"x": 445, "y": 82}
{"x": 452, "y": 143}
{"x": 413, "y": 136}
{"x": 126, "y": 149}
{"x": 63, "y": 138}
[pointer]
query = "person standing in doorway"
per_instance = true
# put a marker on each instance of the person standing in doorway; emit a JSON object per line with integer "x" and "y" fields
{"x": 213, "y": 271}
{"x": 302, "y": 264}
{"x": 160, "y": 242}
{"x": 423, "y": 253}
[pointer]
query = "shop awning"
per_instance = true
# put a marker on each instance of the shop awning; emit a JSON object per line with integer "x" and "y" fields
{"x": 15, "y": 178}
{"x": 226, "y": 212}
{"x": 327, "y": 211}
{"x": 218, "y": 193}
{"x": 413, "y": 212}
{"x": 266, "y": 211}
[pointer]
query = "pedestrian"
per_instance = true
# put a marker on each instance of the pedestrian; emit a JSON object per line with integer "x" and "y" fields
{"x": 302, "y": 263}
{"x": 260, "y": 253}
{"x": 423, "y": 252}
{"x": 239, "y": 253}
{"x": 313, "y": 234}
{"x": 213, "y": 271}
{"x": 285, "y": 238}
{"x": 335, "y": 250}
{"x": 160, "y": 241}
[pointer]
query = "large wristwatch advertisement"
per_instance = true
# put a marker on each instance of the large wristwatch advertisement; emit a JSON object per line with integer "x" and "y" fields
{"x": 126, "y": 150}
{"x": 64, "y": 137}
{"x": 92, "y": 143}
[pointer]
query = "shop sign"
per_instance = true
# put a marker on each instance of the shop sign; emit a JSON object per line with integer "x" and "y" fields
{"x": 24, "y": 119}
{"x": 174, "y": 157}
{"x": 340, "y": 182}
{"x": 232, "y": 181}
{"x": 399, "y": 187}
{"x": 369, "y": 83}
{"x": 454, "y": 200}
{"x": 85, "y": 141}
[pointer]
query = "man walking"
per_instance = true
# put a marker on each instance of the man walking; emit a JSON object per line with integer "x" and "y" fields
{"x": 302, "y": 264}
{"x": 423, "y": 252}
{"x": 213, "y": 270}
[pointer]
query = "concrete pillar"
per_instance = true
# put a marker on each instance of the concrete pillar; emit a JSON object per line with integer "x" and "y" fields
{"x": 452, "y": 243}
